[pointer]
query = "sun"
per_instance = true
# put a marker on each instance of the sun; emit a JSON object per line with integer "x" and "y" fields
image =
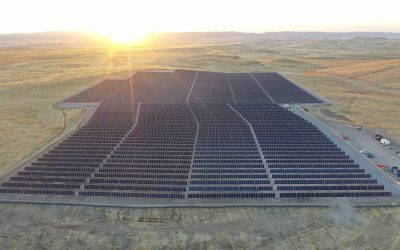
{"x": 125, "y": 36}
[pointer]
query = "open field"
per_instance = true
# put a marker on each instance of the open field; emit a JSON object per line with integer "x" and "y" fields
{"x": 359, "y": 76}
{"x": 72, "y": 227}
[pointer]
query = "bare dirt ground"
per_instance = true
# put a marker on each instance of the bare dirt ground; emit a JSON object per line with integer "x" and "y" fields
{"x": 80, "y": 227}
{"x": 361, "y": 139}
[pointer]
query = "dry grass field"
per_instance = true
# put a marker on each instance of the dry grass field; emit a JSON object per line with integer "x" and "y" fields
{"x": 359, "y": 76}
{"x": 80, "y": 227}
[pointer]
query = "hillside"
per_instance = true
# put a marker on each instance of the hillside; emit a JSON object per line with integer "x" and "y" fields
{"x": 83, "y": 39}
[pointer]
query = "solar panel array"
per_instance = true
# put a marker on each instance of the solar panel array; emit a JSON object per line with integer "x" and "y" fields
{"x": 211, "y": 87}
{"x": 246, "y": 90}
{"x": 282, "y": 90}
{"x": 153, "y": 160}
{"x": 226, "y": 161}
{"x": 196, "y": 135}
{"x": 98, "y": 92}
{"x": 301, "y": 159}
{"x": 65, "y": 168}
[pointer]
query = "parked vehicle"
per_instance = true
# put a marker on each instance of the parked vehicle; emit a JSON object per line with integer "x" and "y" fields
{"x": 385, "y": 142}
{"x": 366, "y": 153}
{"x": 396, "y": 172}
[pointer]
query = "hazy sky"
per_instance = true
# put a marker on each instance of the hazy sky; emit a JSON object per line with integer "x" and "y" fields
{"x": 143, "y": 16}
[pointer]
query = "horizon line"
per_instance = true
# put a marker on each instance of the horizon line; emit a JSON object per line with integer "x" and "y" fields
{"x": 216, "y": 31}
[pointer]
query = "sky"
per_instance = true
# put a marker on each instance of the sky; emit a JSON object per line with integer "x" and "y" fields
{"x": 139, "y": 17}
